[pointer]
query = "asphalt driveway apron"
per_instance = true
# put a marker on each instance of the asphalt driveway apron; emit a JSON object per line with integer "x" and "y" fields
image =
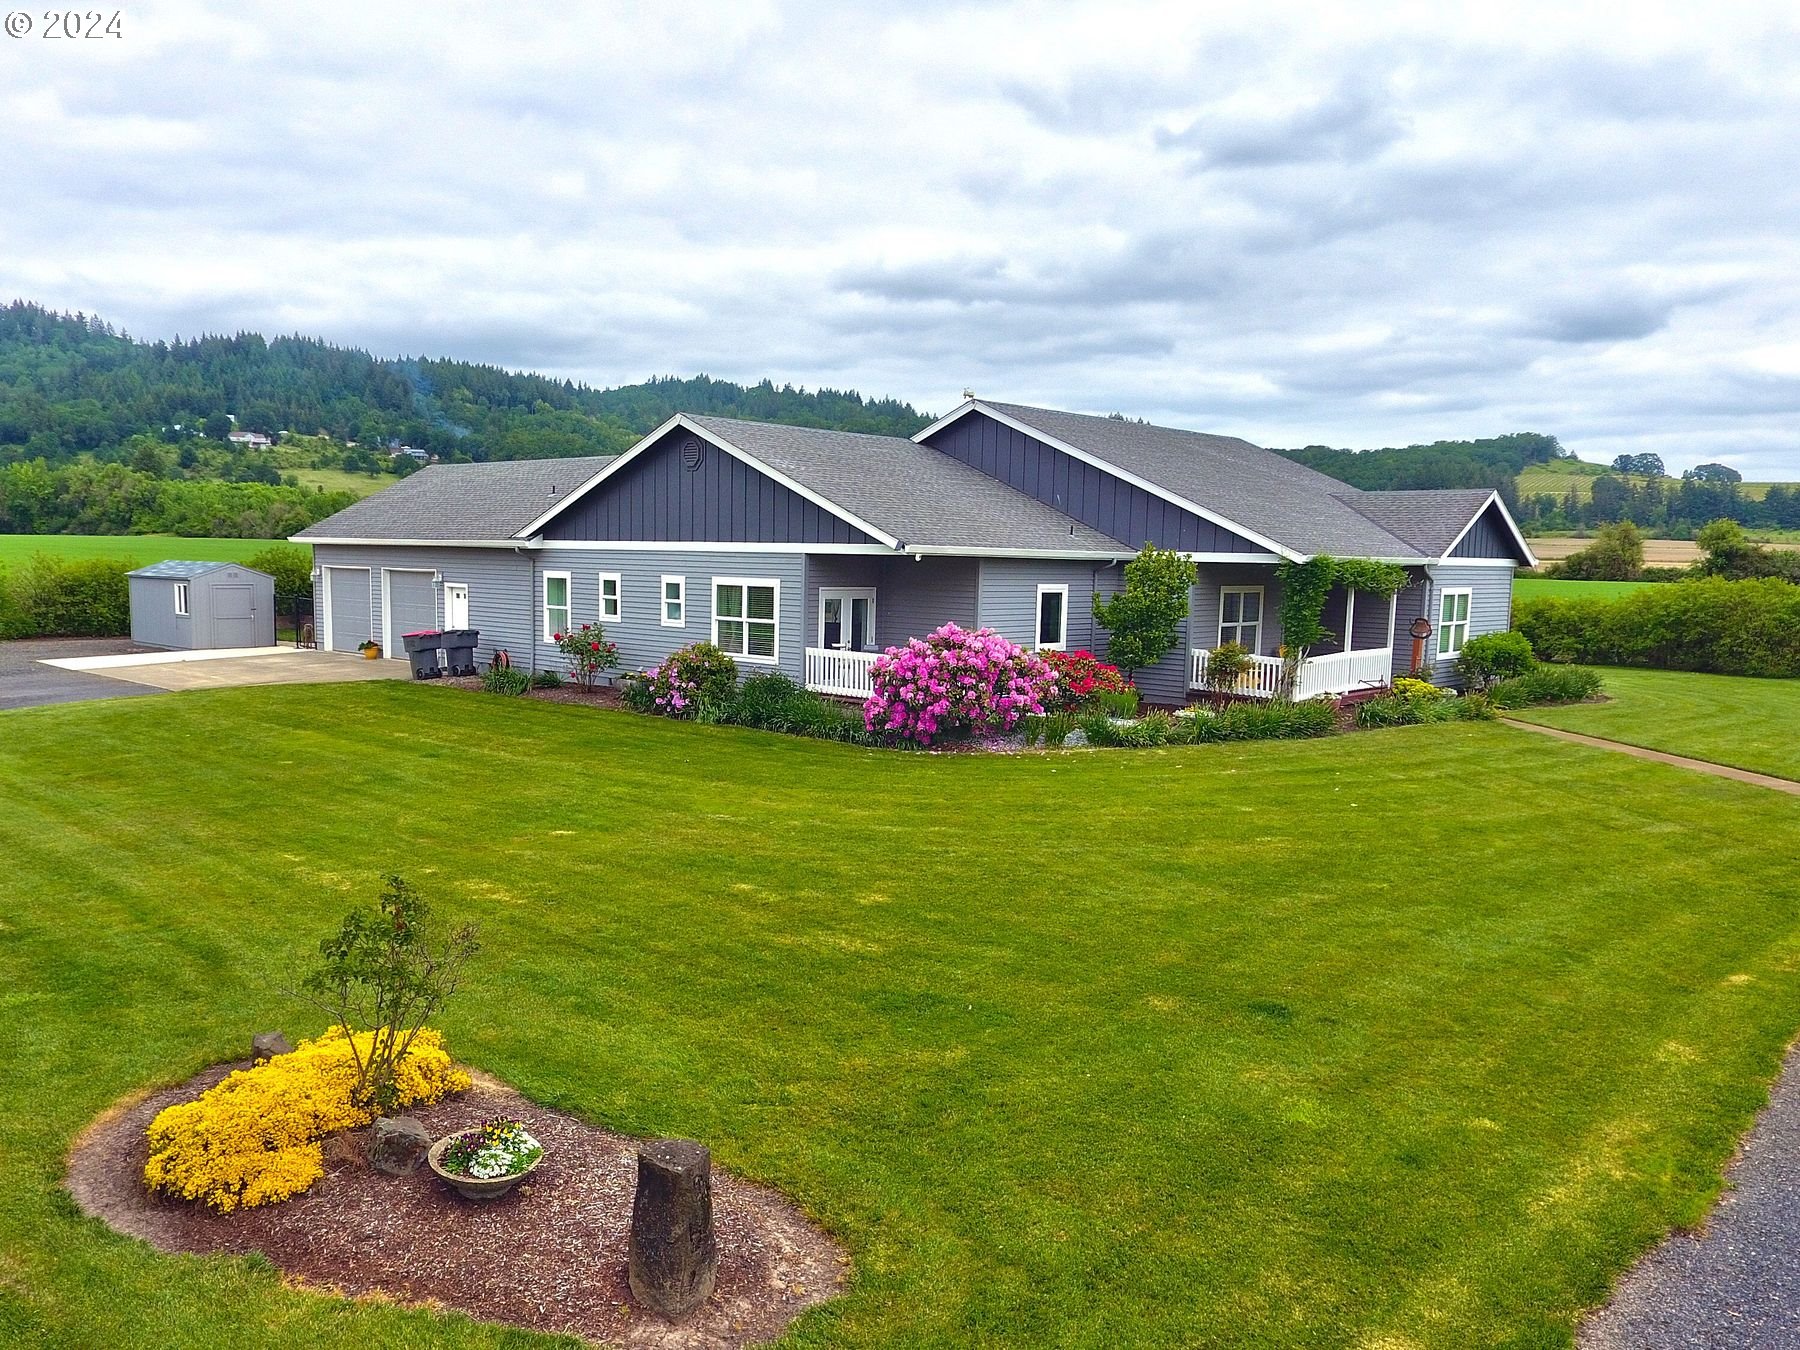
{"x": 24, "y": 683}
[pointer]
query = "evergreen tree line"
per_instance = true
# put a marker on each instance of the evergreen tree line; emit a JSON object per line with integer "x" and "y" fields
{"x": 88, "y": 498}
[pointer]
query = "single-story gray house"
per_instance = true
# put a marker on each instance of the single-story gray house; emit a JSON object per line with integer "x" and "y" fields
{"x": 198, "y": 605}
{"x": 810, "y": 551}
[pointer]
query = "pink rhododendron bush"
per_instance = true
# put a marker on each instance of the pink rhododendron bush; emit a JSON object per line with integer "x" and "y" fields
{"x": 956, "y": 681}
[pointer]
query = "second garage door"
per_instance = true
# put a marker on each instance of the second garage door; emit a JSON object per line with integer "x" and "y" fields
{"x": 347, "y": 619}
{"x": 412, "y": 607}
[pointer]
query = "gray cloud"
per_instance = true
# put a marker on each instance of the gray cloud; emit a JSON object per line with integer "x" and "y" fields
{"x": 1297, "y": 229}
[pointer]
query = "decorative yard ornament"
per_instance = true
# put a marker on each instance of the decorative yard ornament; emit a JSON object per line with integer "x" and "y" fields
{"x": 1420, "y": 630}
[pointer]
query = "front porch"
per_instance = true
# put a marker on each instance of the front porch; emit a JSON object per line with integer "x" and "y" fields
{"x": 1336, "y": 673}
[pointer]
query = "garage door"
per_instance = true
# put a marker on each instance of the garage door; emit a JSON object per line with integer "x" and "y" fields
{"x": 347, "y": 593}
{"x": 412, "y": 607}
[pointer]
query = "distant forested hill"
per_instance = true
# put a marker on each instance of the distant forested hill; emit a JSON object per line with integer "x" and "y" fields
{"x": 1491, "y": 463}
{"x": 73, "y": 386}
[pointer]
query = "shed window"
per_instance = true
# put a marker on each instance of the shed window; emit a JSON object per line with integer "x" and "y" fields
{"x": 674, "y": 602}
{"x": 611, "y": 606}
{"x": 556, "y": 604}
{"x": 744, "y": 617}
{"x": 1240, "y": 616}
{"x": 1453, "y": 623}
{"x": 1053, "y": 617}
{"x": 181, "y": 597}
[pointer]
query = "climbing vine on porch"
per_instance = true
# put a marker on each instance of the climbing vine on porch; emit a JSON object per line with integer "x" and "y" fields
{"x": 1304, "y": 589}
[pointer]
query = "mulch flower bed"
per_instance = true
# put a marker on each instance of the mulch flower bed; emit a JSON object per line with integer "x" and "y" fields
{"x": 549, "y": 1257}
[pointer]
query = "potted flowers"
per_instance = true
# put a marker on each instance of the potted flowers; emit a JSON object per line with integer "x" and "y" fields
{"x": 486, "y": 1162}
{"x": 370, "y": 649}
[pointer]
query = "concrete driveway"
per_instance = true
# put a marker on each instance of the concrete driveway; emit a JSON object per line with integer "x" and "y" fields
{"x": 25, "y": 683}
{"x": 85, "y": 668}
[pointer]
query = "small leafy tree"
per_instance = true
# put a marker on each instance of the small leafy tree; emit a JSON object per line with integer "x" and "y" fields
{"x": 1225, "y": 667}
{"x": 1617, "y": 554}
{"x": 1144, "y": 620}
{"x": 387, "y": 971}
{"x": 588, "y": 653}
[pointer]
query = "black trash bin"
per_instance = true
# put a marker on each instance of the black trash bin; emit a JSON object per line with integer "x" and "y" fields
{"x": 459, "y": 649}
{"x": 423, "y": 649}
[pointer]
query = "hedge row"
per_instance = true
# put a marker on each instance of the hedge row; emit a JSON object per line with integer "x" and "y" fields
{"x": 54, "y": 597}
{"x": 1725, "y": 627}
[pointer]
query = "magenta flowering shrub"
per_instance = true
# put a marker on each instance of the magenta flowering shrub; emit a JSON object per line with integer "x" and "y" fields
{"x": 691, "y": 681}
{"x": 956, "y": 680}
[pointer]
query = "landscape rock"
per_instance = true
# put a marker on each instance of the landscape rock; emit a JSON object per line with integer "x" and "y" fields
{"x": 268, "y": 1044}
{"x": 673, "y": 1256}
{"x": 398, "y": 1145}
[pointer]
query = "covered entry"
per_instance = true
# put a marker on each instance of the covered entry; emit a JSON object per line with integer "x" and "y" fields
{"x": 347, "y": 608}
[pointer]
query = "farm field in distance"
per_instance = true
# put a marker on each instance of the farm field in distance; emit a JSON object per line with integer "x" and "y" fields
{"x": 139, "y": 549}
{"x": 1727, "y": 719}
{"x": 1558, "y": 476}
{"x": 1162, "y": 1047}
{"x": 1537, "y": 588}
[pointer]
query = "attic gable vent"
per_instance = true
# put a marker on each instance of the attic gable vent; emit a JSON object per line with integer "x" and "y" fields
{"x": 693, "y": 453}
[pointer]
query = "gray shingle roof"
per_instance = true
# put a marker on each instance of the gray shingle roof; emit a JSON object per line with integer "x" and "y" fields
{"x": 1430, "y": 519}
{"x": 460, "y": 501}
{"x": 1258, "y": 489}
{"x": 181, "y": 570}
{"x": 914, "y": 493}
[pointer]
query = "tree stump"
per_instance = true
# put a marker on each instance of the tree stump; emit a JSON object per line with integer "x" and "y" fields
{"x": 673, "y": 1257}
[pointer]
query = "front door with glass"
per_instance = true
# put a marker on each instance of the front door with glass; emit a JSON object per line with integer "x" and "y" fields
{"x": 847, "y": 620}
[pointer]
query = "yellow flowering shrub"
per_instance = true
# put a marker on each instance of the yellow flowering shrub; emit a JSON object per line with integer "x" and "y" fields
{"x": 255, "y": 1138}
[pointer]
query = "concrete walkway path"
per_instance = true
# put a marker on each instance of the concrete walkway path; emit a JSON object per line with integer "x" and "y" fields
{"x": 1769, "y": 781}
{"x": 1736, "y": 1283}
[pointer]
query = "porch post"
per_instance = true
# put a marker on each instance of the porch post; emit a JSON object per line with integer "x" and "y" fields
{"x": 1393, "y": 609}
{"x": 1349, "y": 619}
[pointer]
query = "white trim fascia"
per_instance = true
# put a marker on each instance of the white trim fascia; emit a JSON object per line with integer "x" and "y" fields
{"x": 542, "y": 545}
{"x": 1494, "y": 499}
{"x": 1436, "y": 563}
{"x": 1124, "y": 475}
{"x": 712, "y": 438}
{"x": 412, "y": 543}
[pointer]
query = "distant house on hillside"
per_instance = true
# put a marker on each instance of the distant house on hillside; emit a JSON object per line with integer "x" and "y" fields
{"x": 411, "y": 452}
{"x": 250, "y": 440}
{"x": 809, "y": 551}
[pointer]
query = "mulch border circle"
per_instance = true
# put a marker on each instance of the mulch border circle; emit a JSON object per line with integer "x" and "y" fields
{"x": 549, "y": 1257}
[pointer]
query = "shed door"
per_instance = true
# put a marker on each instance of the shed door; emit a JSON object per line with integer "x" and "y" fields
{"x": 347, "y": 624}
{"x": 412, "y": 607}
{"x": 233, "y": 613}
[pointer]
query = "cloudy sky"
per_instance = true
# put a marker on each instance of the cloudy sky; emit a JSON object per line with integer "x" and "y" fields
{"x": 1294, "y": 224}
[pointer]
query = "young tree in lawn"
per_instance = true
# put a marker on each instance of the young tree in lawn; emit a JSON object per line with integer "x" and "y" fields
{"x": 1143, "y": 621}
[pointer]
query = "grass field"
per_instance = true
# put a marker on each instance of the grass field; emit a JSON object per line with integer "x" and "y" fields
{"x": 1559, "y": 475}
{"x": 1413, "y": 1038}
{"x": 340, "y": 480}
{"x": 1753, "y": 724}
{"x": 1527, "y": 588}
{"x": 138, "y": 549}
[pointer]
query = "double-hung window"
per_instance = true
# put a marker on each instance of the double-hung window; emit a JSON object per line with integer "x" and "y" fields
{"x": 674, "y": 602}
{"x": 181, "y": 597}
{"x": 556, "y": 604}
{"x": 1052, "y": 618}
{"x": 744, "y": 621}
{"x": 1240, "y": 617}
{"x": 612, "y": 603}
{"x": 1453, "y": 623}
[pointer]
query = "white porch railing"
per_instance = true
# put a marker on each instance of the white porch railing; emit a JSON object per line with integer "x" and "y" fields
{"x": 1262, "y": 680}
{"x": 1338, "y": 673}
{"x": 846, "y": 674}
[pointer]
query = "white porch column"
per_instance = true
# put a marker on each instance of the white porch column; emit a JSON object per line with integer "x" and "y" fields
{"x": 1349, "y": 618}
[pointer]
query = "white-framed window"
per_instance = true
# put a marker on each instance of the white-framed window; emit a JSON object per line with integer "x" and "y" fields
{"x": 612, "y": 601}
{"x": 181, "y": 598}
{"x": 556, "y": 604}
{"x": 1241, "y": 617}
{"x": 1052, "y": 618}
{"x": 744, "y": 618}
{"x": 1453, "y": 623}
{"x": 674, "y": 602}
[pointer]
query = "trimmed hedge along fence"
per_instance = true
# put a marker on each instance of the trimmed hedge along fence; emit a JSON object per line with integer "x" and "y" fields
{"x": 1722, "y": 627}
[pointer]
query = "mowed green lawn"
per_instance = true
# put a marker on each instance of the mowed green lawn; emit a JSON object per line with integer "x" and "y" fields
{"x": 1538, "y": 588}
{"x": 1412, "y": 1038}
{"x": 1728, "y": 719}
{"x": 137, "y": 549}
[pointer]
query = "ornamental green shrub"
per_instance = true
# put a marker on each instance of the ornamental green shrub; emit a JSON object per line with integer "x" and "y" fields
{"x": 504, "y": 680}
{"x": 56, "y": 597}
{"x": 1724, "y": 627}
{"x": 546, "y": 679}
{"x": 1117, "y": 702}
{"x": 699, "y": 679}
{"x": 1494, "y": 656}
{"x": 1546, "y": 684}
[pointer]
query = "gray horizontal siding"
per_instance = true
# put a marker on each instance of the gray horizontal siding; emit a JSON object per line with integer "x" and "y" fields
{"x": 1490, "y": 605}
{"x": 657, "y": 497}
{"x": 912, "y": 598}
{"x": 1091, "y": 495}
{"x": 642, "y": 639}
{"x": 499, "y": 582}
{"x": 154, "y": 622}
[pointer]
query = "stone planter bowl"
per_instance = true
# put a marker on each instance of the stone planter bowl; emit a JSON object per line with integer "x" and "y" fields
{"x": 475, "y": 1188}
